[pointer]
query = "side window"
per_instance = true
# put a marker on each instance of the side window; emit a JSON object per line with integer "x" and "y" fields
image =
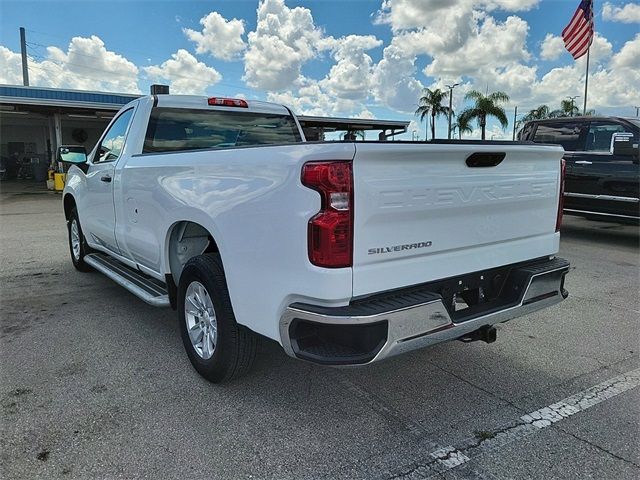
{"x": 599, "y": 136}
{"x": 113, "y": 141}
{"x": 570, "y": 134}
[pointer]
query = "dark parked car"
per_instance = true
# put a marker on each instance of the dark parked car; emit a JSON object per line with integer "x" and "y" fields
{"x": 603, "y": 176}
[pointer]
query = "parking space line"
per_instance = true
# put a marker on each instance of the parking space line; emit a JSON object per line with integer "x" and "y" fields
{"x": 581, "y": 401}
{"x": 450, "y": 457}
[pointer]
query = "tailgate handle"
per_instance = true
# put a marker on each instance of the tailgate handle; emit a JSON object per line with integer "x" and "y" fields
{"x": 485, "y": 159}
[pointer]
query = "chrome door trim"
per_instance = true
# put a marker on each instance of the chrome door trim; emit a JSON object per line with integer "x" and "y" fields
{"x": 603, "y": 197}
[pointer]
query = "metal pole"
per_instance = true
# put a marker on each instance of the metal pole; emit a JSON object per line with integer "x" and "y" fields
{"x": 586, "y": 84}
{"x": 637, "y": 111}
{"x": 450, "y": 107}
{"x": 23, "y": 51}
{"x": 450, "y": 87}
{"x": 515, "y": 119}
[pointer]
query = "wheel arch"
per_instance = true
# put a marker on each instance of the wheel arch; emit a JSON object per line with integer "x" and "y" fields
{"x": 69, "y": 203}
{"x": 186, "y": 239}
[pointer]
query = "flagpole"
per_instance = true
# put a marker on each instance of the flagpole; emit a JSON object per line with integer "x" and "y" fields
{"x": 586, "y": 83}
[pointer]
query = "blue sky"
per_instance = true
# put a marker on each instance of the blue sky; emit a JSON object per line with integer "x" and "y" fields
{"x": 346, "y": 58}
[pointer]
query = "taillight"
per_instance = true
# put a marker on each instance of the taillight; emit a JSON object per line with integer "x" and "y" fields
{"x": 563, "y": 169}
{"x": 330, "y": 231}
{"x": 227, "y": 102}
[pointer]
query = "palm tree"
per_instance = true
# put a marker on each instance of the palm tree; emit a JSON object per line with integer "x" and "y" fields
{"x": 484, "y": 106}
{"x": 539, "y": 113}
{"x": 567, "y": 109}
{"x": 461, "y": 129}
{"x": 431, "y": 104}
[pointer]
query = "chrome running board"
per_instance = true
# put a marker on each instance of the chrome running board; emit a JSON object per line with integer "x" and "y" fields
{"x": 147, "y": 289}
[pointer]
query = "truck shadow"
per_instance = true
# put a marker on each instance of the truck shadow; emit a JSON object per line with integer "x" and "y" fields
{"x": 600, "y": 233}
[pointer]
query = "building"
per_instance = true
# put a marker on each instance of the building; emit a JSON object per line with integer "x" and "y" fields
{"x": 34, "y": 121}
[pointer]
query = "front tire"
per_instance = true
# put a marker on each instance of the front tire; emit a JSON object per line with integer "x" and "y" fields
{"x": 218, "y": 348}
{"x": 77, "y": 244}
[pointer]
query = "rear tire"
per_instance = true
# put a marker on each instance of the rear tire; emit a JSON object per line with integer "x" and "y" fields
{"x": 218, "y": 348}
{"x": 77, "y": 243}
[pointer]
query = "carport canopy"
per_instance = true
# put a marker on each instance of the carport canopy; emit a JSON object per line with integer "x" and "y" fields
{"x": 315, "y": 127}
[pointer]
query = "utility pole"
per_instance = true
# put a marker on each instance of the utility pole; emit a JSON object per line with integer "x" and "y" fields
{"x": 637, "y": 111}
{"x": 450, "y": 87}
{"x": 23, "y": 51}
{"x": 515, "y": 119}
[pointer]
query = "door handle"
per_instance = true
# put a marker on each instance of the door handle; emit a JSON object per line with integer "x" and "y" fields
{"x": 105, "y": 178}
{"x": 583, "y": 162}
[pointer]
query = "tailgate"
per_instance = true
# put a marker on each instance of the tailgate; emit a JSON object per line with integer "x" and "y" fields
{"x": 423, "y": 214}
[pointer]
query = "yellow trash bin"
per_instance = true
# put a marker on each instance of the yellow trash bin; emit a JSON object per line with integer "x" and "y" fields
{"x": 58, "y": 181}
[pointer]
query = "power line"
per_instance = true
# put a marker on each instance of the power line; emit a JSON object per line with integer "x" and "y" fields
{"x": 140, "y": 69}
{"x": 66, "y": 39}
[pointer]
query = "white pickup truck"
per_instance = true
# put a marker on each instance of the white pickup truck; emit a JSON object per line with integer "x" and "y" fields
{"x": 345, "y": 253}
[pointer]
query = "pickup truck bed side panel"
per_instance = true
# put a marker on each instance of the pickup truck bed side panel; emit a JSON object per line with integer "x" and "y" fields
{"x": 253, "y": 203}
{"x": 422, "y": 214}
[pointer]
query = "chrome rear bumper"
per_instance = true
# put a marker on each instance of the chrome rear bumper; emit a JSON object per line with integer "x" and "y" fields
{"x": 381, "y": 327}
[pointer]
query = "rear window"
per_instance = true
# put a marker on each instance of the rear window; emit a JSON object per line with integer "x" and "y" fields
{"x": 571, "y": 135}
{"x": 600, "y": 133}
{"x": 174, "y": 129}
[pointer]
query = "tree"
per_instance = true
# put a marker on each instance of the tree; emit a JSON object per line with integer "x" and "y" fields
{"x": 539, "y": 113}
{"x": 567, "y": 109}
{"x": 484, "y": 106}
{"x": 430, "y": 104}
{"x": 461, "y": 129}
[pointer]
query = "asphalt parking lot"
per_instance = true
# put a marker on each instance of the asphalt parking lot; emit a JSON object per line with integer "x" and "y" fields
{"x": 95, "y": 384}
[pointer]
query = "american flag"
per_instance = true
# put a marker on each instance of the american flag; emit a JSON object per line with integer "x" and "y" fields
{"x": 578, "y": 35}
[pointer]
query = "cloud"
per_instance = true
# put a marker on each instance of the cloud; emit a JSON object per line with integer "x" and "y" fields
{"x": 414, "y": 126}
{"x": 311, "y": 99}
{"x": 471, "y": 42}
{"x": 628, "y": 56}
{"x": 629, "y": 13}
{"x": 461, "y": 41}
{"x": 10, "y": 67}
{"x": 493, "y": 44}
{"x": 552, "y": 47}
{"x": 285, "y": 38}
{"x": 394, "y": 83}
{"x": 510, "y": 5}
{"x": 445, "y": 20}
{"x": 493, "y": 132}
{"x": 185, "y": 73}
{"x": 86, "y": 65}
{"x": 448, "y": 15}
{"x": 351, "y": 76}
{"x": 220, "y": 37}
{"x": 364, "y": 113}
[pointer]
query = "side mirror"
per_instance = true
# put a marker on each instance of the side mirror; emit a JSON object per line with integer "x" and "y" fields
{"x": 622, "y": 144}
{"x": 75, "y": 154}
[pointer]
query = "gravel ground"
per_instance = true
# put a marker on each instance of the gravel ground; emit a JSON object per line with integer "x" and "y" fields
{"x": 95, "y": 384}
